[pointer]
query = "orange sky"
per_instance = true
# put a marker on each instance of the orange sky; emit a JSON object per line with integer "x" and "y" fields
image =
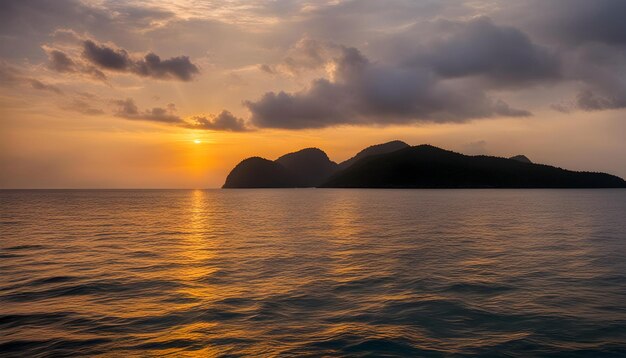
{"x": 66, "y": 122}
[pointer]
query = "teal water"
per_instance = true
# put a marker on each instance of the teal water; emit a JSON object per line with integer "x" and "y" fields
{"x": 313, "y": 272}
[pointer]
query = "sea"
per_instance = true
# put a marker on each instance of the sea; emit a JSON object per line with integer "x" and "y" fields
{"x": 313, "y": 272}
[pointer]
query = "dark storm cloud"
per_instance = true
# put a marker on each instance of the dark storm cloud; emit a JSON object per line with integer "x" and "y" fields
{"x": 369, "y": 93}
{"x": 225, "y": 121}
{"x": 151, "y": 65}
{"x": 126, "y": 108}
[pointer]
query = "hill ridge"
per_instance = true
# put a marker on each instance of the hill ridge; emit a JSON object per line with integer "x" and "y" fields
{"x": 395, "y": 164}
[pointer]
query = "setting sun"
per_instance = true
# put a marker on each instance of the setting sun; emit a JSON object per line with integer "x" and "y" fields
{"x": 197, "y": 141}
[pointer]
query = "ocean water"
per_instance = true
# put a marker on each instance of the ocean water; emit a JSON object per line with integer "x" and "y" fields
{"x": 313, "y": 272}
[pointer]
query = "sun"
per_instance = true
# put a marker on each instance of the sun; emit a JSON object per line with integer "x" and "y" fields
{"x": 197, "y": 141}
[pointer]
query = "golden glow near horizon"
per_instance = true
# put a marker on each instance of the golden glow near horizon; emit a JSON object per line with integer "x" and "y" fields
{"x": 70, "y": 119}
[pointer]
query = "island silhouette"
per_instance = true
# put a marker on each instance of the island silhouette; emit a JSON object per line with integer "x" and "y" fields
{"x": 397, "y": 165}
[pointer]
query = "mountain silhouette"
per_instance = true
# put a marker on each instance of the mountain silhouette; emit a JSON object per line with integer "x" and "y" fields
{"x": 397, "y": 165}
{"x": 309, "y": 167}
{"x": 258, "y": 172}
{"x": 425, "y": 166}
{"x": 521, "y": 158}
{"x": 305, "y": 168}
{"x": 374, "y": 150}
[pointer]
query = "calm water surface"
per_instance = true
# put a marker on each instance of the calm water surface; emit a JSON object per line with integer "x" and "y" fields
{"x": 313, "y": 272}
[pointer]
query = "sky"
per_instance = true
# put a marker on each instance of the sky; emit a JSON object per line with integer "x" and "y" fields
{"x": 173, "y": 94}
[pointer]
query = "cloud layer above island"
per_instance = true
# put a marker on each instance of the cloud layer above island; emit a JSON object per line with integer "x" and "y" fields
{"x": 405, "y": 62}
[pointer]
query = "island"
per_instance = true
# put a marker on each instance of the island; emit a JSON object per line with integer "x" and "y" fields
{"x": 397, "y": 165}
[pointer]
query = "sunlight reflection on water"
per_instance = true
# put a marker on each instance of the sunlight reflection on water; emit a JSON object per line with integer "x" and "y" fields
{"x": 323, "y": 272}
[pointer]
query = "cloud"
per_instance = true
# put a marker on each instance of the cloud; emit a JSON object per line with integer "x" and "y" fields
{"x": 179, "y": 67}
{"x": 60, "y": 62}
{"x": 322, "y": 105}
{"x": 591, "y": 39}
{"x": 502, "y": 108}
{"x": 81, "y": 106}
{"x": 266, "y": 68}
{"x": 359, "y": 22}
{"x": 150, "y": 65}
{"x": 307, "y": 54}
{"x": 36, "y": 84}
{"x": 572, "y": 22}
{"x": 225, "y": 121}
{"x": 442, "y": 72}
{"x": 502, "y": 55}
{"x": 105, "y": 57}
{"x": 599, "y": 20}
{"x": 11, "y": 75}
{"x": 94, "y": 73}
{"x": 365, "y": 92}
{"x": 126, "y": 108}
{"x": 598, "y": 70}
{"x": 589, "y": 101}
{"x": 97, "y": 58}
{"x": 24, "y": 25}
{"x": 66, "y": 36}
{"x": 427, "y": 60}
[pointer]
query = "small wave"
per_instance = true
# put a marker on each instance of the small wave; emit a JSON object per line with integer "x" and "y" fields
{"x": 479, "y": 288}
{"x": 52, "y": 280}
{"x": 33, "y": 319}
{"x": 384, "y": 347}
{"x": 103, "y": 287}
{"x": 366, "y": 284}
{"x": 24, "y": 247}
{"x": 61, "y": 347}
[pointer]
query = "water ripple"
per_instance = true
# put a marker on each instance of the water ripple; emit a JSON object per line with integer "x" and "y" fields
{"x": 313, "y": 273}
